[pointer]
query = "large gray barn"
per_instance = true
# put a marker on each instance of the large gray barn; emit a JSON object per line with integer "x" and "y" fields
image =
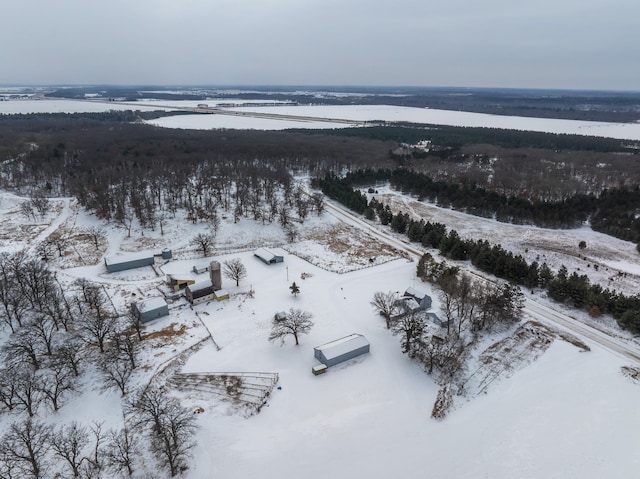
{"x": 129, "y": 261}
{"x": 341, "y": 349}
{"x": 150, "y": 309}
{"x": 268, "y": 256}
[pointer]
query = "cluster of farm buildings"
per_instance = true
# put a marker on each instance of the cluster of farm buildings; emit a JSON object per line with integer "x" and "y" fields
{"x": 196, "y": 292}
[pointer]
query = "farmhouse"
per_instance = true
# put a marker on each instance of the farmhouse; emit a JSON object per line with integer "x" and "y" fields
{"x": 150, "y": 309}
{"x": 417, "y": 299}
{"x": 130, "y": 261}
{"x": 341, "y": 349}
{"x": 199, "y": 292}
{"x": 267, "y": 256}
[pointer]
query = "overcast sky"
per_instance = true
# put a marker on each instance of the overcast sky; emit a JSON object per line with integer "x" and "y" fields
{"x": 574, "y": 44}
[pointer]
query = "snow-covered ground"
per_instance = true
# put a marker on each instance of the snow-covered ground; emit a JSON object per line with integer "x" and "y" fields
{"x": 357, "y": 113}
{"x": 214, "y": 122}
{"x": 569, "y": 414}
{"x": 65, "y": 106}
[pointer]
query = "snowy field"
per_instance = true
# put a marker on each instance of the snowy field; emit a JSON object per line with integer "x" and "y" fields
{"x": 214, "y": 122}
{"x": 389, "y": 113}
{"x": 64, "y": 106}
{"x": 357, "y": 113}
{"x": 569, "y": 414}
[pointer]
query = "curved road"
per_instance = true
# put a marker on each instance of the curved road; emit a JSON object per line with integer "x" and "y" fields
{"x": 535, "y": 310}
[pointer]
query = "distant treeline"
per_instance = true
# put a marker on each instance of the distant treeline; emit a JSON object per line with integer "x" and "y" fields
{"x": 613, "y": 212}
{"x": 457, "y": 137}
{"x": 574, "y": 290}
{"x": 120, "y": 116}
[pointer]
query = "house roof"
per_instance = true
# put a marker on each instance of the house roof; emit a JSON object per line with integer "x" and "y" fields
{"x": 150, "y": 304}
{"x": 342, "y": 346}
{"x": 415, "y": 293}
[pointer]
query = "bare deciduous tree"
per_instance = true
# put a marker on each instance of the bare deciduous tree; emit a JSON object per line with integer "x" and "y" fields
{"x": 173, "y": 442}
{"x": 203, "y": 242}
{"x": 297, "y": 322}
{"x": 411, "y": 325}
{"x": 28, "y": 391}
{"x": 235, "y": 270}
{"x": 69, "y": 444}
{"x": 386, "y": 304}
{"x": 115, "y": 370}
{"x": 24, "y": 449}
{"x": 96, "y": 234}
{"x": 122, "y": 449}
{"x": 55, "y": 382}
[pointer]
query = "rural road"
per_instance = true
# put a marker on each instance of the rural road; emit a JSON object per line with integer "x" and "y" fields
{"x": 544, "y": 314}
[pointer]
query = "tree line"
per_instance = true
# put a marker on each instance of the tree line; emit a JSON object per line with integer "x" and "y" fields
{"x": 57, "y": 339}
{"x": 574, "y": 290}
{"x": 456, "y": 137}
{"x": 613, "y": 211}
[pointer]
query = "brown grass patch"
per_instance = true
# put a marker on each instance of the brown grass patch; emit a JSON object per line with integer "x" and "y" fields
{"x": 169, "y": 332}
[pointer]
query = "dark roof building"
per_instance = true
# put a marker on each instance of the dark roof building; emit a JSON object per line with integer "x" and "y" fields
{"x": 199, "y": 292}
{"x": 129, "y": 261}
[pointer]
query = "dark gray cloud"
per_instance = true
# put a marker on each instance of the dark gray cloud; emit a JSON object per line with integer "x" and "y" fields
{"x": 500, "y": 43}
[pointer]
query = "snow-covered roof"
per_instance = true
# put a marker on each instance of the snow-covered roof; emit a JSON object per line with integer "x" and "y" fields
{"x": 123, "y": 258}
{"x": 150, "y": 304}
{"x": 415, "y": 293}
{"x": 221, "y": 292}
{"x": 343, "y": 345}
{"x": 200, "y": 286}
{"x": 264, "y": 254}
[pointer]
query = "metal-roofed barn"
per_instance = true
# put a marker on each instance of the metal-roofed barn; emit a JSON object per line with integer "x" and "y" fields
{"x": 150, "y": 309}
{"x": 341, "y": 349}
{"x": 128, "y": 261}
{"x": 268, "y": 256}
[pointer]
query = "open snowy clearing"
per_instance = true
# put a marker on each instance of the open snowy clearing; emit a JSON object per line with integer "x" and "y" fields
{"x": 214, "y": 122}
{"x": 64, "y": 106}
{"x": 566, "y": 414}
{"x": 358, "y": 113}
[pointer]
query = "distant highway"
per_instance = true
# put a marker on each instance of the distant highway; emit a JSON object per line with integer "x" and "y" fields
{"x": 212, "y": 110}
{"x": 625, "y": 349}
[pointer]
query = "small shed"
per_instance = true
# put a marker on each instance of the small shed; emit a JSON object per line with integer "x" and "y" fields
{"x": 423, "y": 300}
{"x": 199, "y": 292}
{"x": 129, "y": 261}
{"x": 150, "y": 309}
{"x": 221, "y": 294}
{"x": 341, "y": 349}
{"x": 268, "y": 256}
{"x": 201, "y": 268}
{"x": 280, "y": 316}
